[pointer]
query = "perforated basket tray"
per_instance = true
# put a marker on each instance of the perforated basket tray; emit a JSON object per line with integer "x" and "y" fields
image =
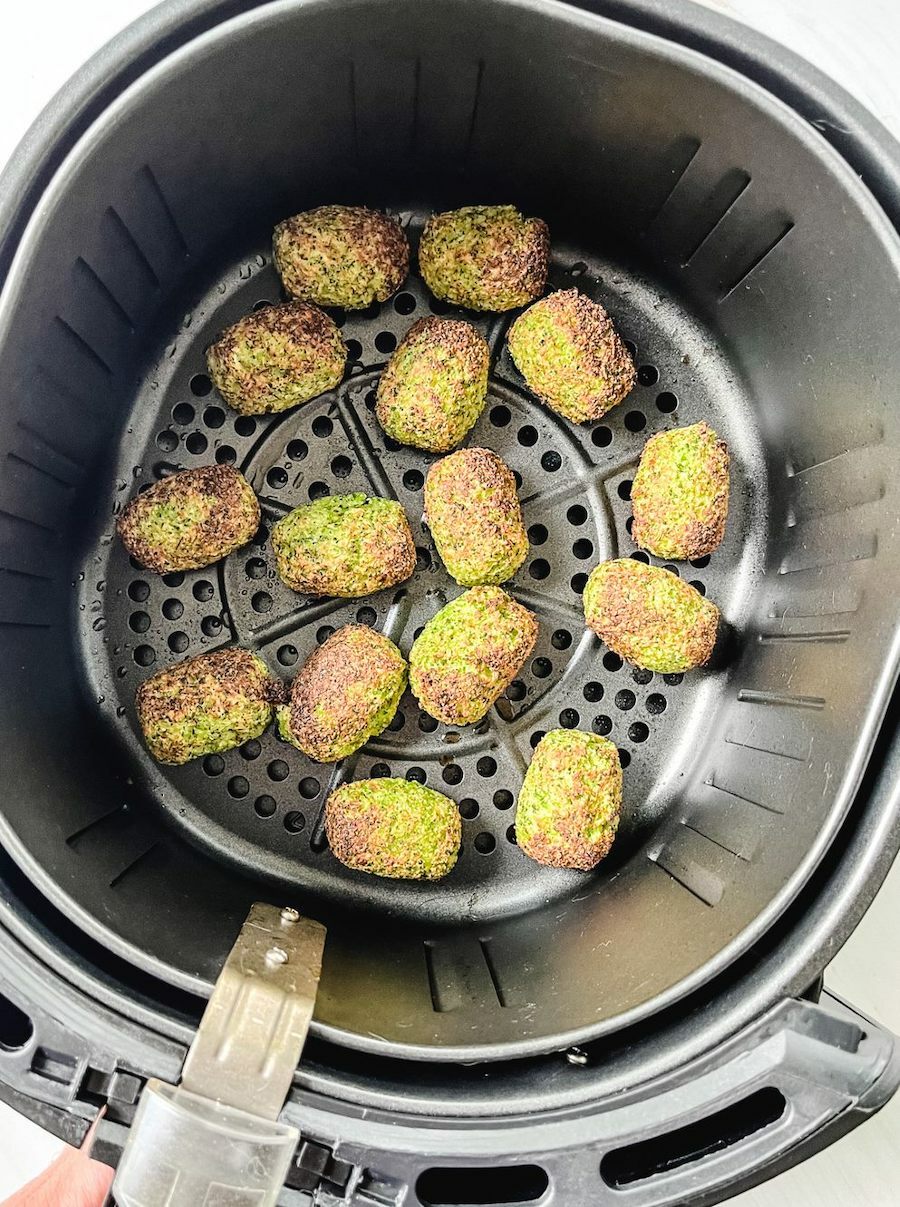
{"x": 264, "y": 802}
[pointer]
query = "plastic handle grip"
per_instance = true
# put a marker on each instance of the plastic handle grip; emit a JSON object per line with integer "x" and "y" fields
{"x": 186, "y": 1151}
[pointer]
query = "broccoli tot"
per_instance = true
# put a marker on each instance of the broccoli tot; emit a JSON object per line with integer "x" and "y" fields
{"x": 469, "y": 653}
{"x": 344, "y": 545}
{"x": 485, "y": 257}
{"x": 277, "y": 358}
{"x": 435, "y": 385}
{"x": 206, "y": 704}
{"x": 680, "y": 493}
{"x": 648, "y": 616}
{"x": 474, "y": 516}
{"x": 190, "y": 519}
{"x": 347, "y": 691}
{"x": 393, "y": 828}
{"x": 568, "y": 808}
{"x": 341, "y": 255}
{"x": 566, "y": 348}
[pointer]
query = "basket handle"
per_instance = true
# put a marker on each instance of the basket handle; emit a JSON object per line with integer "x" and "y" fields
{"x": 215, "y": 1137}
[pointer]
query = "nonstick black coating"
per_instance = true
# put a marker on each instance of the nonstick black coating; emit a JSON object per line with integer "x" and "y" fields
{"x": 753, "y": 275}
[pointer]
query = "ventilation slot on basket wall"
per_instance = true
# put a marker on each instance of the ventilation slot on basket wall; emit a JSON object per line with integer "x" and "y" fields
{"x": 635, "y": 1162}
{"x": 16, "y": 1028}
{"x": 459, "y": 1187}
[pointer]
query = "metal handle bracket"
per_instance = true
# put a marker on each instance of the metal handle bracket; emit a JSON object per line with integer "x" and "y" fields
{"x": 254, "y": 1027}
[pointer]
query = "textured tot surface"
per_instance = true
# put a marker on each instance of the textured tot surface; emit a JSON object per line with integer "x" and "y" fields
{"x": 347, "y": 691}
{"x": 341, "y": 255}
{"x": 276, "y": 358}
{"x": 680, "y": 493}
{"x": 190, "y": 519}
{"x": 206, "y": 704}
{"x": 469, "y": 653}
{"x": 474, "y": 515}
{"x": 485, "y": 257}
{"x": 569, "y": 804}
{"x": 648, "y": 616}
{"x": 569, "y": 353}
{"x": 434, "y": 387}
{"x": 393, "y": 828}
{"x": 344, "y": 545}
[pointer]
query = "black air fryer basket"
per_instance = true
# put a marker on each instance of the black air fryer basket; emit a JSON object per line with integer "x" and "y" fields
{"x": 650, "y": 1033}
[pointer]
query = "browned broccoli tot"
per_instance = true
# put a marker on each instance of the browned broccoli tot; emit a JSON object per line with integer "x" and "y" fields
{"x": 568, "y": 808}
{"x": 347, "y": 691}
{"x": 276, "y": 358}
{"x": 485, "y": 257}
{"x": 190, "y": 520}
{"x": 206, "y": 705}
{"x": 341, "y": 255}
{"x": 680, "y": 493}
{"x": 435, "y": 384}
{"x": 649, "y": 616}
{"x": 344, "y": 545}
{"x": 474, "y": 516}
{"x": 566, "y": 348}
{"x": 469, "y": 653}
{"x": 393, "y": 828}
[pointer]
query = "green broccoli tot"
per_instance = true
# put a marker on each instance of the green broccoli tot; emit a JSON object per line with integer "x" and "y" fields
{"x": 276, "y": 358}
{"x": 566, "y": 348}
{"x": 435, "y": 384}
{"x": 680, "y": 493}
{"x": 649, "y": 616}
{"x": 341, "y": 255}
{"x": 474, "y": 516}
{"x": 485, "y": 257}
{"x": 206, "y": 705}
{"x": 568, "y": 808}
{"x": 393, "y": 828}
{"x": 344, "y": 545}
{"x": 347, "y": 691}
{"x": 469, "y": 653}
{"x": 190, "y": 520}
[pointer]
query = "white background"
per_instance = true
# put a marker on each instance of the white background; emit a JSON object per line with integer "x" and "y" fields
{"x": 858, "y": 43}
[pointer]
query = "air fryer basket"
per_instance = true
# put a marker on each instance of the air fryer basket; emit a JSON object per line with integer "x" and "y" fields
{"x": 753, "y": 275}
{"x": 757, "y": 280}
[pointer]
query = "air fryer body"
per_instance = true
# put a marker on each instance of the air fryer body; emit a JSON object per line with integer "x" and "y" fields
{"x": 756, "y": 277}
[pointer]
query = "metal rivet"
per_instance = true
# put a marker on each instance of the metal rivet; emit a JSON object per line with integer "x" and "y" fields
{"x": 289, "y": 915}
{"x": 577, "y": 1056}
{"x": 276, "y": 955}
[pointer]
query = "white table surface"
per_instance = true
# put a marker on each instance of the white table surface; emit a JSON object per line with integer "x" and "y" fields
{"x": 858, "y": 44}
